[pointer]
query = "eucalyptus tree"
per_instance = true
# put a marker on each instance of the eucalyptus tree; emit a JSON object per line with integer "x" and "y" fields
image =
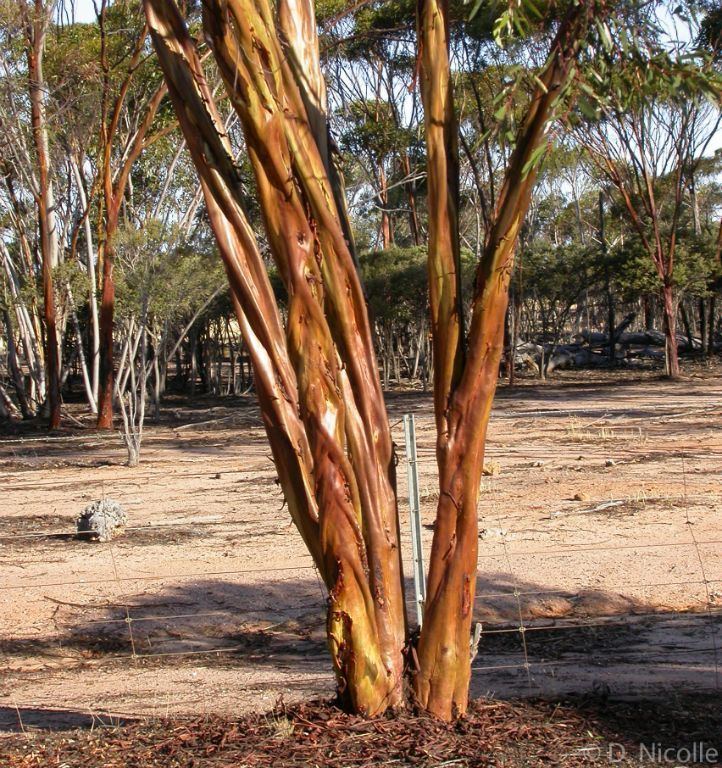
{"x": 317, "y": 379}
{"x": 368, "y": 58}
{"x": 129, "y": 101}
{"x": 37, "y": 200}
{"x": 36, "y": 18}
{"x": 646, "y": 124}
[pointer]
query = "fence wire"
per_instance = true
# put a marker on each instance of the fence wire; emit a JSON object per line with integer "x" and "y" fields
{"x": 517, "y": 643}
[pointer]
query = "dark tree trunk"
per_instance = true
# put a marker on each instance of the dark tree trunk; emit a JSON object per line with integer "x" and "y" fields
{"x": 711, "y": 319}
{"x": 687, "y": 326}
{"x": 107, "y": 355}
{"x": 14, "y": 369}
{"x": 703, "y": 325}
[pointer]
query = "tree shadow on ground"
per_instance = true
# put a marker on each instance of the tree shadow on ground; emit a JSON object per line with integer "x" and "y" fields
{"x": 534, "y": 641}
{"x": 22, "y": 719}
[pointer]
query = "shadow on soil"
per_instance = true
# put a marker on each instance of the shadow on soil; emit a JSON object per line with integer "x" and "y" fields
{"x": 571, "y": 644}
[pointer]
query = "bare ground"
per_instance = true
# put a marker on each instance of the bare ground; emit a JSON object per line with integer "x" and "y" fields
{"x": 600, "y": 558}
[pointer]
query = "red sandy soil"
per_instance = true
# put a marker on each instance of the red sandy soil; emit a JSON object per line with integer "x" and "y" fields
{"x": 209, "y": 605}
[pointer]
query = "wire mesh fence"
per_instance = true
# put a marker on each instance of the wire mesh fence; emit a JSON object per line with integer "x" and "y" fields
{"x": 209, "y": 604}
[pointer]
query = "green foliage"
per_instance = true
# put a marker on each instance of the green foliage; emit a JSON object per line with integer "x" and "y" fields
{"x": 629, "y": 62}
{"x": 710, "y": 32}
{"x": 72, "y": 62}
{"x": 396, "y": 283}
{"x": 364, "y": 31}
{"x": 559, "y": 274}
{"x": 70, "y": 279}
{"x": 515, "y": 18}
{"x": 378, "y": 17}
{"x": 326, "y": 10}
{"x": 495, "y": 96}
{"x": 158, "y": 268}
{"x": 563, "y": 255}
{"x": 373, "y": 130}
{"x": 694, "y": 273}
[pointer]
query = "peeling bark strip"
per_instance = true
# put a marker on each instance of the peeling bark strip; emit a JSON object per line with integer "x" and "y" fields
{"x": 317, "y": 382}
{"x": 465, "y": 379}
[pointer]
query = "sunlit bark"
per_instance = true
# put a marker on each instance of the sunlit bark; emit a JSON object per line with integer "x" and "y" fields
{"x": 317, "y": 378}
{"x": 114, "y": 182}
{"x": 36, "y": 21}
{"x": 317, "y": 382}
{"x": 465, "y": 379}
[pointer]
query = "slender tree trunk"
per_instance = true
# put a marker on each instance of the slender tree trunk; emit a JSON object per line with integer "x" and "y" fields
{"x": 414, "y": 227}
{"x": 508, "y": 354}
{"x": 648, "y": 307}
{"x": 711, "y": 324}
{"x": 611, "y": 319}
{"x": 387, "y": 230}
{"x": 670, "y": 331}
{"x": 465, "y": 379}
{"x": 702, "y": 326}
{"x": 7, "y": 407}
{"x": 193, "y": 360}
{"x": 116, "y": 182}
{"x": 92, "y": 291}
{"x": 87, "y": 383}
{"x": 419, "y": 338}
{"x": 14, "y": 369}
{"x": 30, "y": 343}
{"x": 513, "y": 336}
{"x": 36, "y": 23}
{"x": 28, "y": 316}
{"x": 107, "y": 363}
{"x": 687, "y": 326}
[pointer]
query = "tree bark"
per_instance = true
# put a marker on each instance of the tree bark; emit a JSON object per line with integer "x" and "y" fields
{"x": 317, "y": 379}
{"x": 465, "y": 379}
{"x": 36, "y": 22}
{"x": 711, "y": 317}
{"x": 107, "y": 371}
{"x": 611, "y": 319}
{"x": 688, "y": 331}
{"x": 115, "y": 183}
{"x": 92, "y": 290}
{"x": 29, "y": 341}
{"x": 14, "y": 368}
{"x": 7, "y": 407}
{"x": 317, "y": 383}
{"x": 702, "y": 325}
{"x": 670, "y": 331}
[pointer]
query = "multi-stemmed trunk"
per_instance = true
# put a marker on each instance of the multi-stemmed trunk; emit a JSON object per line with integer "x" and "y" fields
{"x": 317, "y": 378}
{"x": 466, "y": 370}
{"x": 316, "y": 381}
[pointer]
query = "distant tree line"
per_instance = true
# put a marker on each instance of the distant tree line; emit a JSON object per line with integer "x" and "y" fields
{"x": 106, "y": 254}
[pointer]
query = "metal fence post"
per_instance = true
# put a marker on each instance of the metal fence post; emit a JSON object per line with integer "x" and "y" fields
{"x": 414, "y": 507}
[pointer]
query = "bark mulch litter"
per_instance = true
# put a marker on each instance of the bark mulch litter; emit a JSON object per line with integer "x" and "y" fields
{"x": 494, "y": 733}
